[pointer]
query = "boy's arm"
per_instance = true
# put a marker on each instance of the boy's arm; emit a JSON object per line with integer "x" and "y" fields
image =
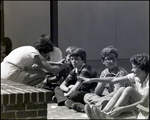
{"x": 74, "y": 88}
{"x": 64, "y": 87}
{"x": 84, "y": 73}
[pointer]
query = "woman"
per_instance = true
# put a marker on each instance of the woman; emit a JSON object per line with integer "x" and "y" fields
{"x": 25, "y": 64}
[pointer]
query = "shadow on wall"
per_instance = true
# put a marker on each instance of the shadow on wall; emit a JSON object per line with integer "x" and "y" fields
{"x": 99, "y": 67}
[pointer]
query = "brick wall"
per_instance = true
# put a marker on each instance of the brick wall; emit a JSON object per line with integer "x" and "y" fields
{"x": 19, "y": 101}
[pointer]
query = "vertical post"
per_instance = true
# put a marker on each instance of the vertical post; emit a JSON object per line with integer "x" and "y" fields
{"x": 2, "y": 18}
{"x": 54, "y": 21}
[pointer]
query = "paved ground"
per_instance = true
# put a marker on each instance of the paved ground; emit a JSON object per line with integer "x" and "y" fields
{"x": 62, "y": 112}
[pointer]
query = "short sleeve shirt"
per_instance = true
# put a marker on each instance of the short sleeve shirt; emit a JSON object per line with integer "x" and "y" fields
{"x": 118, "y": 72}
{"x": 56, "y": 55}
{"x": 136, "y": 83}
{"x": 85, "y": 71}
{"x": 23, "y": 56}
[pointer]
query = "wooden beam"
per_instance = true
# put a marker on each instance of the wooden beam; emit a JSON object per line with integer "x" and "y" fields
{"x": 54, "y": 21}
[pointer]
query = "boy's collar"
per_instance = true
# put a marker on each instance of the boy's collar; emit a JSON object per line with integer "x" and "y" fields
{"x": 78, "y": 70}
{"x": 114, "y": 70}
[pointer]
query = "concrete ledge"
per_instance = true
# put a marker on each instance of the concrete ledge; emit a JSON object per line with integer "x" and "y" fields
{"x": 21, "y": 101}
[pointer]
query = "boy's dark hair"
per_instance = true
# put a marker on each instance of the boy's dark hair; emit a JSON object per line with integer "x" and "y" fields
{"x": 108, "y": 50}
{"x": 44, "y": 44}
{"x": 79, "y": 52}
{"x": 6, "y": 41}
{"x": 141, "y": 61}
{"x": 69, "y": 50}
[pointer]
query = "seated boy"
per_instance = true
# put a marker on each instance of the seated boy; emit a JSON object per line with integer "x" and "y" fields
{"x": 109, "y": 56}
{"x": 72, "y": 88}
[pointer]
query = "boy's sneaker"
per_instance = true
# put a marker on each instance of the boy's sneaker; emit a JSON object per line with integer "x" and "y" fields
{"x": 69, "y": 103}
{"x": 96, "y": 111}
{"x": 105, "y": 115}
{"x": 54, "y": 99}
{"x": 78, "y": 106}
{"x": 89, "y": 112}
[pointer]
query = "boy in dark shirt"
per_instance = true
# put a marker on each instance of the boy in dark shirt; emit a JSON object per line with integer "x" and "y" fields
{"x": 72, "y": 90}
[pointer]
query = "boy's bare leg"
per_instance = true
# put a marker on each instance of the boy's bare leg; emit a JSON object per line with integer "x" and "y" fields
{"x": 128, "y": 95}
{"x": 113, "y": 100}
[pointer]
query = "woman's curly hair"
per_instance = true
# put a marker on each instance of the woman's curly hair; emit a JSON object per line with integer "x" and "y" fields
{"x": 141, "y": 61}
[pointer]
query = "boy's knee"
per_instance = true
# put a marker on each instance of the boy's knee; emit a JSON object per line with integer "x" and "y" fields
{"x": 128, "y": 89}
{"x": 87, "y": 97}
{"x": 122, "y": 88}
{"x": 56, "y": 89}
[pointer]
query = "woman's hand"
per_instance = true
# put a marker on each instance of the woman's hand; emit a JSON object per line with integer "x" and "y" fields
{"x": 61, "y": 62}
{"x": 66, "y": 65}
{"x": 115, "y": 111}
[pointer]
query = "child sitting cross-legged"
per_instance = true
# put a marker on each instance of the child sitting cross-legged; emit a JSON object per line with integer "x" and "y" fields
{"x": 72, "y": 89}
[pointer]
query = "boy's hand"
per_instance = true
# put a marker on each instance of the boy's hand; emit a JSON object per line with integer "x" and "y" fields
{"x": 65, "y": 94}
{"x": 115, "y": 111}
{"x": 70, "y": 86}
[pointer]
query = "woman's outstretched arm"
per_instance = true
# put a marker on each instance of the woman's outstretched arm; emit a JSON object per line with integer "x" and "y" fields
{"x": 39, "y": 60}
